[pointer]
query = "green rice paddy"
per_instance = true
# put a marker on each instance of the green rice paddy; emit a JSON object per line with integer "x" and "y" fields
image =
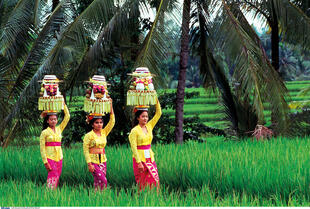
{"x": 248, "y": 173}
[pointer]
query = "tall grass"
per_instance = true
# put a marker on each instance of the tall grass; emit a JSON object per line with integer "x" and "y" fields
{"x": 275, "y": 172}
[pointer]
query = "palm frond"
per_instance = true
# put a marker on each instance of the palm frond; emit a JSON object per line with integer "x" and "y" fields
{"x": 198, "y": 36}
{"x": 253, "y": 71}
{"x": 287, "y": 13}
{"x": 39, "y": 49}
{"x": 18, "y": 32}
{"x": 156, "y": 45}
{"x": 66, "y": 53}
{"x": 294, "y": 23}
{"x": 212, "y": 73}
{"x": 111, "y": 36}
{"x": 304, "y": 92}
{"x": 300, "y": 104}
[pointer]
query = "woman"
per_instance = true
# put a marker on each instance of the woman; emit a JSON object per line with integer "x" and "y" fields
{"x": 140, "y": 138}
{"x": 50, "y": 145}
{"x": 93, "y": 147}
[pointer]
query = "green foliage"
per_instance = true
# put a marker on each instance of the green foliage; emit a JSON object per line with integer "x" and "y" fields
{"x": 76, "y": 128}
{"x": 300, "y": 123}
{"x": 247, "y": 173}
{"x": 193, "y": 126}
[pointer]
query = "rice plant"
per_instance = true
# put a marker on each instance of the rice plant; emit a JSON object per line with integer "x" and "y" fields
{"x": 245, "y": 173}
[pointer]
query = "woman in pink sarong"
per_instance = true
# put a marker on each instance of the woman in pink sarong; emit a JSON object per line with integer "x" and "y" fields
{"x": 93, "y": 147}
{"x": 50, "y": 145}
{"x": 140, "y": 138}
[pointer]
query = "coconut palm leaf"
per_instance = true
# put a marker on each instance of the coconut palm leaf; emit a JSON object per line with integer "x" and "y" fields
{"x": 212, "y": 74}
{"x": 19, "y": 30}
{"x": 287, "y": 13}
{"x": 67, "y": 48}
{"x": 156, "y": 45}
{"x": 304, "y": 92}
{"x": 111, "y": 34}
{"x": 253, "y": 71}
{"x": 198, "y": 36}
{"x": 279, "y": 106}
{"x": 300, "y": 104}
{"x": 73, "y": 47}
{"x": 40, "y": 48}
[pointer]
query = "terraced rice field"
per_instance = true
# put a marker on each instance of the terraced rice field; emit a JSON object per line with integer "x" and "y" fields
{"x": 211, "y": 112}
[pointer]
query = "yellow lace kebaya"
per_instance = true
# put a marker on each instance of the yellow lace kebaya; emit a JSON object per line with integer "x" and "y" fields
{"x": 91, "y": 140}
{"x": 49, "y": 136}
{"x": 138, "y": 138}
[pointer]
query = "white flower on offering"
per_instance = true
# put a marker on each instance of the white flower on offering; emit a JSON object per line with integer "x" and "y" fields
{"x": 140, "y": 85}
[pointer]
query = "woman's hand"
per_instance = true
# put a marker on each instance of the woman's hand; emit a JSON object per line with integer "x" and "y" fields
{"x": 140, "y": 167}
{"x": 48, "y": 167}
{"x": 91, "y": 167}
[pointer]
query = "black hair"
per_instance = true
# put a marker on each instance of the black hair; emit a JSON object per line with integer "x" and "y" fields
{"x": 45, "y": 124}
{"x": 91, "y": 123}
{"x": 137, "y": 115}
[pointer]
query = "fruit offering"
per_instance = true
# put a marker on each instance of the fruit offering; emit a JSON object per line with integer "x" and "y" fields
{"x": 50, "y": 98}
{"x": 141, "y": 90}
{"x": 97, "y": 99}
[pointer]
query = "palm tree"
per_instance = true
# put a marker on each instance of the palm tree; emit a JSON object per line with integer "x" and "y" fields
{"x": 281, "y": 17}
{"x": 255, "y": 81}
{"x": 184, "y": 54}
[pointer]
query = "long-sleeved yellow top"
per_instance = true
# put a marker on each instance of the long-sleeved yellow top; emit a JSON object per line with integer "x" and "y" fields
{"x": 138, "y": 138}
{"x": 48, "y": 135}
{"x": 92, "y": 140}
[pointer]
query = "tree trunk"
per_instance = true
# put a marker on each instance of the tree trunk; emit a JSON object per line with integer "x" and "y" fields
{"x": 182, "y": 73}
{"x": 275, "y": 43}
{"x": 9, "y": 137}
{"x": 55, "y": 3}
{"x": 57, "y": 30}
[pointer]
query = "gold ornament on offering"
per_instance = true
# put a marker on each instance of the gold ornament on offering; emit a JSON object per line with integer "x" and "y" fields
{"x": 141, "y": 90}
{"x": 50, "y": 98}
{"x": 97, "y": 99}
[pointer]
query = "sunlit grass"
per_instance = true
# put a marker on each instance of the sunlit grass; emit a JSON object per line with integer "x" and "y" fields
{"x": 247, "y": 173}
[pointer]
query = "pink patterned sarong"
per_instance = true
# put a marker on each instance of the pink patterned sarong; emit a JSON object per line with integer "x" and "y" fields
{"x": 100, "y": 180}
{"x": 54, "y": 174}
{"x": 149, "y": 176}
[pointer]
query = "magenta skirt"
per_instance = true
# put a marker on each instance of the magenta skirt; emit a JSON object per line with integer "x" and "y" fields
{"x": 100, "y": 180}
{"x": 54, "y": 175}
{"x": 149, "y": 176}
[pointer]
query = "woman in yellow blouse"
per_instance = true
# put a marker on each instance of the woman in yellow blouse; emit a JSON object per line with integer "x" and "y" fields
{"x": 140, "y": 138}
{"x": 50, "y": 146}
{"x": 93, "y": 148}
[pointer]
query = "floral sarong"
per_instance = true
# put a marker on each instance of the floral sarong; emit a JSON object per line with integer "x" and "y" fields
{"x": 54, "y": 174}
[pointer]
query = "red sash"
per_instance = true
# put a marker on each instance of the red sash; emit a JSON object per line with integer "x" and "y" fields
{"x": 52, "y": 144}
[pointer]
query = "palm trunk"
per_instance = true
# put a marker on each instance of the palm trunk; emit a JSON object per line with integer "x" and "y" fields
{"x": 55, "y": 3}
{"x": 275, "y": 43}
{"x": 182, "y": 73}
{"x": 9, "y": 137}
{"x": 57, "y": 30}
